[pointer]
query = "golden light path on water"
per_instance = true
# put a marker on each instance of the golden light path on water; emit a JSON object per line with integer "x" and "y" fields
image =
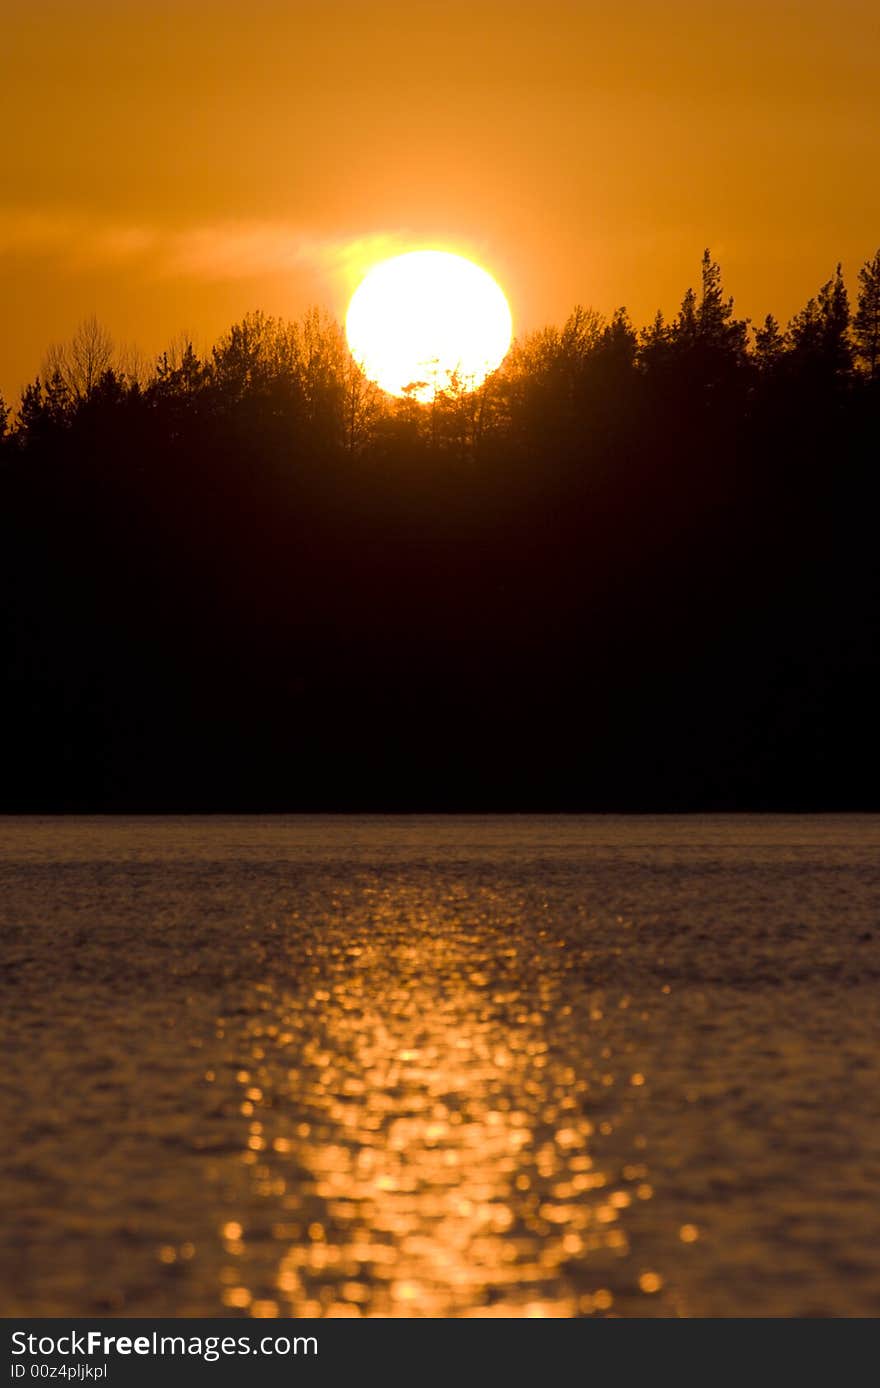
{"x": 418, "y": 1139}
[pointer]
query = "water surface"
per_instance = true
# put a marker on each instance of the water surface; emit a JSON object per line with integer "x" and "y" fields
{"x": 441, "y": 1066}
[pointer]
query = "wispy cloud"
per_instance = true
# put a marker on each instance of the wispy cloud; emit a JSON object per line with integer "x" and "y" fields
{"x": 213, "y": 251}
{"x": 242, "y": 250}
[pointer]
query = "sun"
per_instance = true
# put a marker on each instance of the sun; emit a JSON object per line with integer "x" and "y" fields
{"x": 426, "y": 321}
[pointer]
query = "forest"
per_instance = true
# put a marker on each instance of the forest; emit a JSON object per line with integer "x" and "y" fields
{"x": 636, "y": 570}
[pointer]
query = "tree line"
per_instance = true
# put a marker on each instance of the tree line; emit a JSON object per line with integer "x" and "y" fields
{"x": 302, "y": 372}
{"x": 637, "y": 568}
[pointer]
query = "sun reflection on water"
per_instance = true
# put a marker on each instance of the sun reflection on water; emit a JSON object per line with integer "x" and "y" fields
{"x": 419, "y": 1140}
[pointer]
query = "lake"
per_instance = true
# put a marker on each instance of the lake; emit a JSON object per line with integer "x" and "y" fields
{"x": 418, "y": 1066}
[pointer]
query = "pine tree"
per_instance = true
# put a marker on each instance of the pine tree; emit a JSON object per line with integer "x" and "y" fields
{"x": 705, "y": 323}
{"x": 655, "y": 343}
{"x": 716, "y": 323}
{"x": 818, "y": 336}
{"x": 58, "y": 404}
{"x": 866, "y": 323}
{"x": 618, "y": 341}
{"x": 769, "y": 344}
{"x": 32, "y": 410}
{"x": 686, "y": 327}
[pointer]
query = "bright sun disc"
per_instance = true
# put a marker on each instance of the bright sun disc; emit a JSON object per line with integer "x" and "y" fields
{"x": 422, "y": 322}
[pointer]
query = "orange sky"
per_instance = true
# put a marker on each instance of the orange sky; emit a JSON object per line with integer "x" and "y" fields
{"x": 171, "y": 165}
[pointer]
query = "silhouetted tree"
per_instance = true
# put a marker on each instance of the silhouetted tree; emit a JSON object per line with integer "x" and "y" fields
{"x": 717, "y": 324}
{"x": 866, "y": 323}
{"x": 81, "y": 362}
{"x": 655, "y": 341}
{"x": 334, "y": 404}
{"x": 58, "y": 402}
{"x": 769, "y": 345}
{"x": 705, "y": 340}
{"x": 618, "y": 341}
{"x": 245, "y": 357}
{"x": 818, "y": 336}
{"x": 31, "y": 418}
{"x": 178, "y": 373}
